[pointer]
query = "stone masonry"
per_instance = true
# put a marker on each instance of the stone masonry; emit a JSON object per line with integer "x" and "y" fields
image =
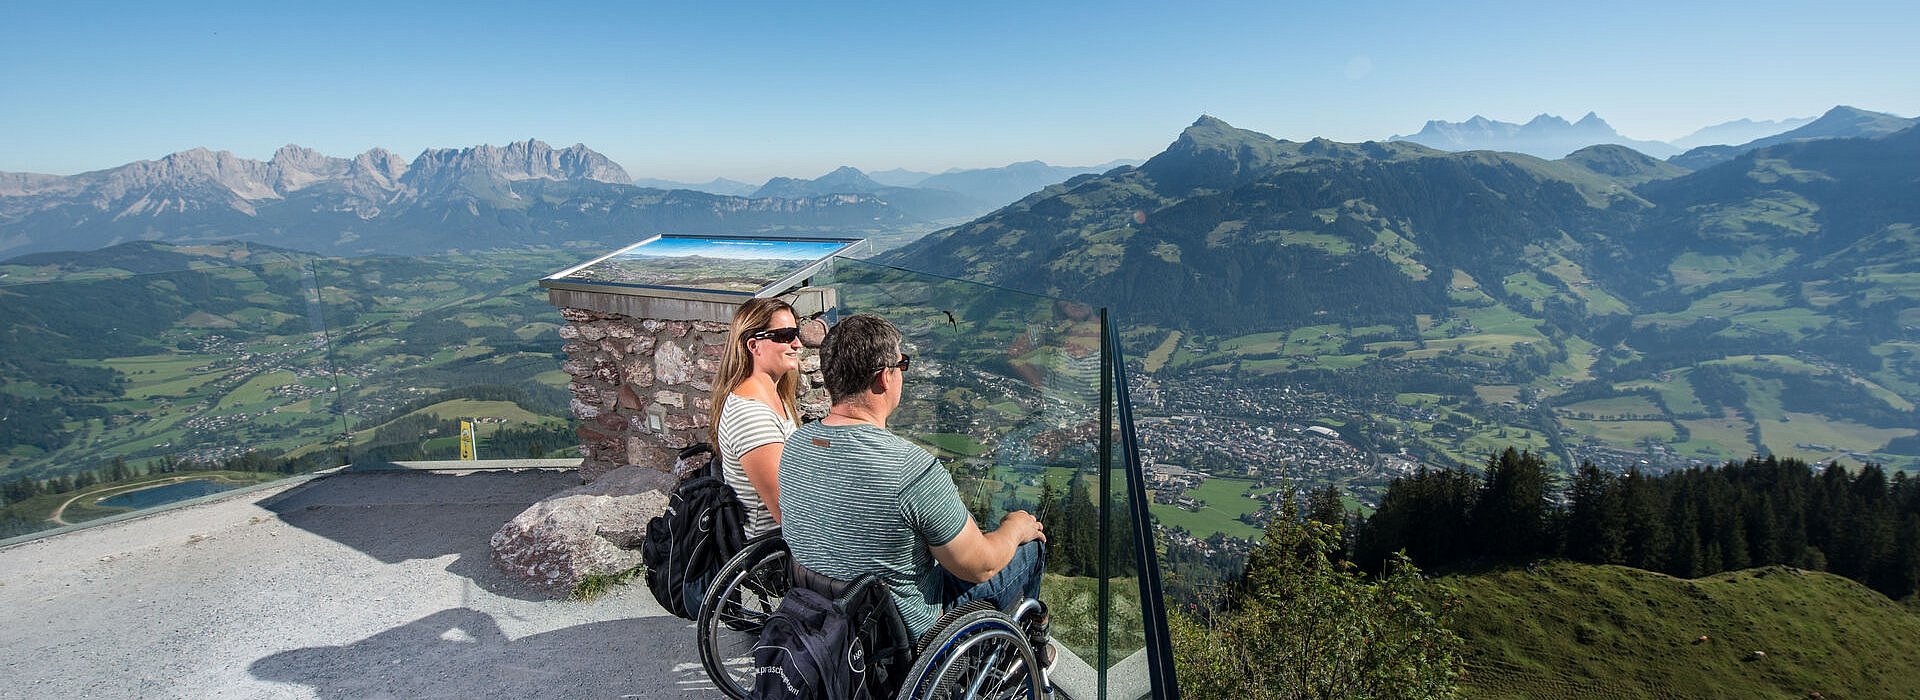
{"x": 642, "y": 387}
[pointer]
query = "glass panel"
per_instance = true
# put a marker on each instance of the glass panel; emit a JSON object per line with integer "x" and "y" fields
{"x": 1005, "y": 388}
{"x": 423, "y": 343}
{"x": 126, "y": 391}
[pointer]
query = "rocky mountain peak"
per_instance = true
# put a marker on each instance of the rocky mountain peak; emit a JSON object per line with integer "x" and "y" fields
{"x": 846, "y": 178}
{"x": 1546, "y": 121}
{"x": 1545, "y": 135}
{"x": 249, "y": 179}
{"x": 521, "y": 160}
{"x": 294, "y": 167}
{"x": 1214, "y": 154}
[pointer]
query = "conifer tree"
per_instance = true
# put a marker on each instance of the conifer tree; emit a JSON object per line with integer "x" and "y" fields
{"x": 1510, "y": 518}
{"x": 1596, "y": 527}
{"x": 1047, "y": 511}
{"x": 1647, "y": 540}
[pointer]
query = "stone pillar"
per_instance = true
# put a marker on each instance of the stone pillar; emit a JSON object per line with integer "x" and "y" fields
{"x": 642, "y": 372}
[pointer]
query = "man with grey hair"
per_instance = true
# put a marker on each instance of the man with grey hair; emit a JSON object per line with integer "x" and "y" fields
{"x": 856, "y": 499}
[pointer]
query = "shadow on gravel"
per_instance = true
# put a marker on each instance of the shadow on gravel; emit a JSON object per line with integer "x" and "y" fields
{"x": 461, "y": 652}
{"x": 397, "y": 516}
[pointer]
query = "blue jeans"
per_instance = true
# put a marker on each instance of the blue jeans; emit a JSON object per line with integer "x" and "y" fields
{"x": 1018, "y": 580}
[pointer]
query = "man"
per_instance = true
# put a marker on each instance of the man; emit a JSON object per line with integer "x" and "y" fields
{"x": 857, "y": 499}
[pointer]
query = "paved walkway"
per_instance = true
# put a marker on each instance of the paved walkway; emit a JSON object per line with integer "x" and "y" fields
{"x": 357, "y": 585}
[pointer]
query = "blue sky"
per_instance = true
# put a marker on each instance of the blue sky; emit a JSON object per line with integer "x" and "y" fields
{"x": 692, "y": 91}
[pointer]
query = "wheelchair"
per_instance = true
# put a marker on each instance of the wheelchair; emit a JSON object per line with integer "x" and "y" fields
{"x": 743, "y": 594}
{"x": 973, "y": 652}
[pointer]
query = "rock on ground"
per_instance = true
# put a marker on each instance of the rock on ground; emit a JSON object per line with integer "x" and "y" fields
{"x": 592, "y": 529}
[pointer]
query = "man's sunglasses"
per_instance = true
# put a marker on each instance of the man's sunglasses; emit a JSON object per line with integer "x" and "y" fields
{"x": 905, "y": 362}
{"x": 778, "y": 335}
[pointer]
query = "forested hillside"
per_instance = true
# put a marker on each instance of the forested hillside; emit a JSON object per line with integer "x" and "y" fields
{"x": 1864, "y": 526}
{"x": 1608, "y": 307}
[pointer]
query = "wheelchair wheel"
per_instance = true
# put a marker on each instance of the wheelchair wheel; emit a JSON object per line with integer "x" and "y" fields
{"x": 744, "y": 593}
{"x": 980, "y": 655}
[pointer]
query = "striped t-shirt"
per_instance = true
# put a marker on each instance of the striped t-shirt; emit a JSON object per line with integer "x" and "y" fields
{"x": 856, "y": 499}
{"x": 744, "y": 425}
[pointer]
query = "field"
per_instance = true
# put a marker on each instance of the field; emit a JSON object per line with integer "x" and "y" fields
{"x": 1613, "y": 409}
{"x": 1225, "y": 501}
{"x": 244, "y": 368}
{"x": 1568, "y": 630}
{"x": 954, "y": 444}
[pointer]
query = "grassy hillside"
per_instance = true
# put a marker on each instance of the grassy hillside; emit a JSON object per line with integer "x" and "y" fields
{"x": 1569, "y": 630}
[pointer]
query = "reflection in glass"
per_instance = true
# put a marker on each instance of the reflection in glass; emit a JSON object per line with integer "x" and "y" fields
{"x": 126, "y": 391}
{"x": 420, "y": 344}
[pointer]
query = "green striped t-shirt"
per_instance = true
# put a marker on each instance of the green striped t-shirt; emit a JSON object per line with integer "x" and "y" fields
{"x": 856, "y": 499}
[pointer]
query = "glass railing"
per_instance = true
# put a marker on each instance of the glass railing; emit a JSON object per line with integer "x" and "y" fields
{"x": 423, "y": 345}
{"x": 131, "y": 388}
{"x": 1016, "y": 393}
{"x": 127, "y": 390}
{"x": 128, "y": 387}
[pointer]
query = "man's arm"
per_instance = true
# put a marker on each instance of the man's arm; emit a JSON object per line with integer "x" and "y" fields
{"x": 974, "y": 556}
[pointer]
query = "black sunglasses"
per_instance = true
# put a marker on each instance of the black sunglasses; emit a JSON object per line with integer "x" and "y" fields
{"x": 778, "y": 335}
{"x": 905, "y": 362}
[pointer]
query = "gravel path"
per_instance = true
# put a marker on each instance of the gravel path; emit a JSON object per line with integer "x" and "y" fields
{"x": 357, "y": 585}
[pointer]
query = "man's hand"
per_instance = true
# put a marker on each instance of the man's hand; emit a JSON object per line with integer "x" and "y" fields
{"x": 1023, "y": 527}
{"x": 976, "y": 557}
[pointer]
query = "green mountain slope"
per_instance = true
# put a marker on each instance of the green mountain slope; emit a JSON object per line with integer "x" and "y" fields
{"x": 1568, "y": 630}
{"x": 1604, "y": 306}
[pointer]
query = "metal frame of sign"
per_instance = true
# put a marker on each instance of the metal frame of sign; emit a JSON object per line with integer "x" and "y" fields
{"x": 779, "y": 286}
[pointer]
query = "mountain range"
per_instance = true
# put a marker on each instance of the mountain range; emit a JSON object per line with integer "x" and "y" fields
{"x": 1585, "y": 278}
{"x": 982, "y": 189}
{"x": 1550, "y": 137}
{"x": 1545, "y": 136}
{"x": 525, "y": 193}
{"x": 1839, "y": 122}
{"x": 1241, "y": 195}
{"x": 1738, "y": 131}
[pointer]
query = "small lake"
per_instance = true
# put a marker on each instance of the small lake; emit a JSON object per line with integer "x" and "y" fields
{"x": 170, "y": 493}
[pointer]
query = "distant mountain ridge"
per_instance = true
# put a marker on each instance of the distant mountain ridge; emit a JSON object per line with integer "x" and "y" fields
{"x": 955, "y": 193}
{"x": 1839, "y": 122}
{"x": 718, "y": 185}
{"x": 524, "y": 193}
{"x": 1739, "y": 131}
{"x": 1544, "y": 136}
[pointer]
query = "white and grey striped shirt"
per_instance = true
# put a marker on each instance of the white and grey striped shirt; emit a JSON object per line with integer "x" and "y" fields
{"x": 744, "y": 425}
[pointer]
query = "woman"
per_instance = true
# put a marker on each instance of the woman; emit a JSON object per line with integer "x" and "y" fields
{"x": 755, "y": 405}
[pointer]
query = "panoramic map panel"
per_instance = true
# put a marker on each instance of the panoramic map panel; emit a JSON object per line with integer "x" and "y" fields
{"x": 718, "y": 264}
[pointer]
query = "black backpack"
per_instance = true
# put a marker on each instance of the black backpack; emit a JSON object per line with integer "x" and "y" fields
{"x": 704, "y": 526}
{"x": 855, "y": 647}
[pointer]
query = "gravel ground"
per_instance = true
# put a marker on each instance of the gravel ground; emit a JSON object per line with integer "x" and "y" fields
{"x": 357, "y": 585}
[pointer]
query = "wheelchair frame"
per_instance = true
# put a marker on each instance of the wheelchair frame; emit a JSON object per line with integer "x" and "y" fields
{"x": 972, "y": 654}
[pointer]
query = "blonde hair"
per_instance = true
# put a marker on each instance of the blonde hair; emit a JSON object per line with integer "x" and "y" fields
{"x": 736, "y": 364}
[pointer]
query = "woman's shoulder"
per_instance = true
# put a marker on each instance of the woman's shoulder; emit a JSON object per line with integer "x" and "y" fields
{"x": 740, "y": 410}
{"x": 744, "y": 405}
